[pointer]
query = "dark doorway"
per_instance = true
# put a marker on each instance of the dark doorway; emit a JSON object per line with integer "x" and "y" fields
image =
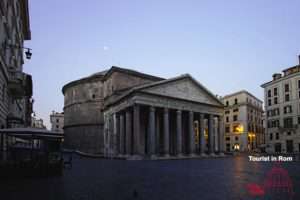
{"x": 289, "y": 146}
{"x": 228, "y": 147}
{"x": 278, "y": 147}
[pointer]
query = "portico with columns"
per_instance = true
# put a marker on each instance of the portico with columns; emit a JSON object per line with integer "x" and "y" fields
{"x": 172, "y": 118}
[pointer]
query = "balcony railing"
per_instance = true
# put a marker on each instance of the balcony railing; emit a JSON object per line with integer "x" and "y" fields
{"x": 286, "y": 128}
{"x": 19, "y": 84}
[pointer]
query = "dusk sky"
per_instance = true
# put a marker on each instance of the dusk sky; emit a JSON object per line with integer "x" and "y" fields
{"x": 226, "y": 45}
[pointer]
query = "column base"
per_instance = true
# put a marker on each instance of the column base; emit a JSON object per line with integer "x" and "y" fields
{"x": 193, "y": 155}
{"x": 212, "y": 155}
{"x": 221, "y": 154}
{"x": 180, "y": 155}
{"x": 135, "y": 157}
{"x": 203, "y": 155}
{"x": 122, "y": 156}
{"x": 166, "y": 156}
{"x": 153, "y": 157}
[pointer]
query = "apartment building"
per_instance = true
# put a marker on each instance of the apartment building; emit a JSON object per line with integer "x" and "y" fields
{"x": 243, "y": 122}
{"x": 282, "y": 97}
{"x": 57, "y": 121}
{"x": 37, "y": 123}
{"x": 15, "y": 85}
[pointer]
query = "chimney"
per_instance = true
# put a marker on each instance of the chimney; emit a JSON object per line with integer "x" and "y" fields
{"x": 276, "y": 76}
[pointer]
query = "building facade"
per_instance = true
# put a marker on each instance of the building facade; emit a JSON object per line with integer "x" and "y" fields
{"x": 282, "y": 105}
{"x": 243, "y": 119}
{"x": 57, "y": 122}
{"x": 121, "y": 112}
{"x": 15, "y": 85}
{"x": 37, "y": 123}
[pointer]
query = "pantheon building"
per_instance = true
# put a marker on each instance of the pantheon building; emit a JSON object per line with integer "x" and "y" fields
{"x": 123, "y": 113}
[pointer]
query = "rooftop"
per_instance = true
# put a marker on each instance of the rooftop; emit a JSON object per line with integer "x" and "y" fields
{"x": 242, "y": 92}
{"x": 106, "y": 73}
{"x": 285, "y": 74}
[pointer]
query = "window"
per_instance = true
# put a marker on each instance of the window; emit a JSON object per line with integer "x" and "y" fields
{"x": 227, "y": 138}
{"x": 57, "y": 126}
{"x": 273, "y": 123}
{"x": 269, "y": 102}
{"x": 227, "y": 119}
{"x": 286, "y": 87}
{"x": 287, "y": 97}
{"x": 227, "y": 112}
{"x": 277, "y": 123}
{"x": 287, "y": 109}
{"x": 235, "y": 117}
{"x": 269, "y": 124}
{"x": 236, "y": 138}
{"x": 288, "y": 133}
{"x": 227, "y": 103}
{"x": 275, "y": 92}
{"x": 236, "y": 110}
{"x": 299, "y": 84}
{"x": 275, "y": 100}
{"x": 299, "y": 123}
{"x": 277, "y": 111}
{"x": 271, "y": 136}
{"x": 93, "y": 96}
{"x": 235, "y": 101}
{"x": 57, "y": 120}
{"x": 269, "y": 93}
{"x": 277, "y": 136}
{"x": 288, "y": 122}
{"x": 238, "y": 128}
{"x": 227, "y": 129}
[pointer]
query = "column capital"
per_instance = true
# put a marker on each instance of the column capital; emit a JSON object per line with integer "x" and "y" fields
{"x": 201, "y": 115}
{"x": 178, "y": 111}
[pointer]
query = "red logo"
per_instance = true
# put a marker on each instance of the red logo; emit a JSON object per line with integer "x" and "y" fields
{"x": 277, "y": 182}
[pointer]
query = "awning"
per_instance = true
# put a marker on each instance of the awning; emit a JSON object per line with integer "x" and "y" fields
{"x": 32, "y": 133}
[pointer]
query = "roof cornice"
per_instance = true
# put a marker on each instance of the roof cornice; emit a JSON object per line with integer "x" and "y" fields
{"x": 25, "y": 19}
{"x": 132, "y": 72}
{"x": 280, "y": 79}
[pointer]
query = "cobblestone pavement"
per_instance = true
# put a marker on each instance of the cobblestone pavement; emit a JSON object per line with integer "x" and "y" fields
{"x": 97, "y": 179}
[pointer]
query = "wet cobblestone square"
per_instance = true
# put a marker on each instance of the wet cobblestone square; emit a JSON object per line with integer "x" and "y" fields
{"x": 91, "y": 179}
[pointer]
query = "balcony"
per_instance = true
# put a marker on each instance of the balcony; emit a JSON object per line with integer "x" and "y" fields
{"x": 19, "y": 84}
{"x": 15, "y": 120}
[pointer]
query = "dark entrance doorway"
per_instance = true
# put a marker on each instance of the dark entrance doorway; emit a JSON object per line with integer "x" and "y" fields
{"x": 278, "y": 147}
{"x": 289, "y": 146}
{"x": 228, "y": 147}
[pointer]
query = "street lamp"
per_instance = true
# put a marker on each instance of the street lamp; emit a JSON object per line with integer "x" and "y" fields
{"x": 28, "y": 53}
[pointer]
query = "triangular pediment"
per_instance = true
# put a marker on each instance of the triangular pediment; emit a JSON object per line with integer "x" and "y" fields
{"x": 183, "y": 87}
